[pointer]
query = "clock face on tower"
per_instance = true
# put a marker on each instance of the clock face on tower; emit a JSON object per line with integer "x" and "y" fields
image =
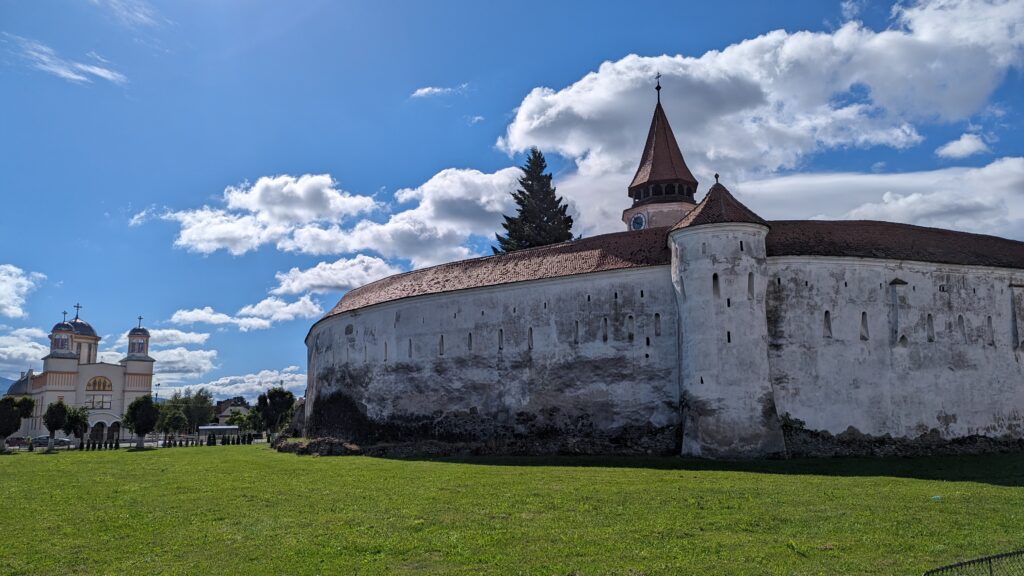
{"x": 638, "y": 221}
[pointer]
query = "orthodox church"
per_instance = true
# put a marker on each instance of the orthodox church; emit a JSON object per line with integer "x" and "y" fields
{"x": 702, "y": 330}
{"x": 71, "y": 373}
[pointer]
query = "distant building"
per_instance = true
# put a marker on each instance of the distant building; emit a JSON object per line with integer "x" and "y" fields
{"x": 72, "y": 374}
{"x": 225, "y": 408}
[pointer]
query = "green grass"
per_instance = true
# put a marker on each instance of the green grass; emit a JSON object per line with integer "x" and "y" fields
{"x": 249, "y": 510}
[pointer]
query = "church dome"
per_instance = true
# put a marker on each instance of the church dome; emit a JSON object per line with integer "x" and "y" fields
{"x": 62, "y": 327}
{"x": 19, "y": 388}
{"x": 81, "y": 327}
{"x": 140, "y": 331}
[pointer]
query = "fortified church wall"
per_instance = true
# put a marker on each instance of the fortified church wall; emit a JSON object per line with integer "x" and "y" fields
{"x": 717, "y": 335}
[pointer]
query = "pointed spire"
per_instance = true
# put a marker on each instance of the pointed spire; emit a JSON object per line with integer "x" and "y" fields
{"x": 662, "y": 175}
{"x": 719, "y": 206}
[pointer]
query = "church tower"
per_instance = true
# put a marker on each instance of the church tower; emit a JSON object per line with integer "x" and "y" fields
{"x": 663, "y": 187}
{"x": 720, "y": 277}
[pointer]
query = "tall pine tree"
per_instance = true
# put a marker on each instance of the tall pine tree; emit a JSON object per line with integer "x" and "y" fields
{"x": 541, "y": 217}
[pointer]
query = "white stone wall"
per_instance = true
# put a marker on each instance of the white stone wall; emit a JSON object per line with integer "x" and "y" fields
{"x": 897, "y": 376}
{"x": 592, "y": 357}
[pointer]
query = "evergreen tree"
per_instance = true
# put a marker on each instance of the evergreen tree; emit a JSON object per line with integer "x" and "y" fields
{"x": 541, "y": 217}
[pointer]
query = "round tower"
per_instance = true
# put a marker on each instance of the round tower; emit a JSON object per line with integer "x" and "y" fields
{"x": 719, "y": 273}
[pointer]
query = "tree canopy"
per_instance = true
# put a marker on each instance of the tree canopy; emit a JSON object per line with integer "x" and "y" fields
{"x": 196, "y": 406}
{"x": 12, "y": 410}
{"x": 171, "y": 420}
{"x": 77, "y": 422}
{"x": 141, "y": 417}
{"x": 56, "y": 416}
{"x": 275, "y": 407}
{"x": 541, "y": 217}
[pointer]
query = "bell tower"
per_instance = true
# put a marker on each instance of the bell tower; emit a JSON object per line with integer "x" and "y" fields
{"x": 663, "y": 187}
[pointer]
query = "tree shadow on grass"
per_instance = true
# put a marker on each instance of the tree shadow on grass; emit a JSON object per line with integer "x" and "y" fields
{"x": 995, "y": 469}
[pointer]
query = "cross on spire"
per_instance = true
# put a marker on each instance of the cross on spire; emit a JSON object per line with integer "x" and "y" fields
{"x": 140, "y": 320}
{"x": 77, "y": 308}
{"x": 65, "y": 315}
{"x": 657, "y": 87}
{"x": 716, "y": 177}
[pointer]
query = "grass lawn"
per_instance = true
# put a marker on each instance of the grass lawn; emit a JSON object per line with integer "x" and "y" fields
{"x": 249, "y": 510}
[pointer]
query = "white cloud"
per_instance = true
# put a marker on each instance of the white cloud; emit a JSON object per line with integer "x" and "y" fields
{"x": 851, "y": 8}
{"x": 44, "y": 58}
{"x": 964, "y": 146}
{"x": 252, "y": 385}
{"x": 21, "y": 349}
{"x": 159, "y": 337}
{"x": 275, "y": 309}
{"x": 453, "y": 205}
{"x": 475, "y": 119}
{"x": 988, "y": 200}
{"x": 15, "y": 285}
{"x": 342, "y": 274}
{"x": 177, "y": 364}
{"x": 208, "y": 315}
{"x": 140, "y": 218}
{"x": 765, "y": 104}
{"x": 429, "y": 91}
{"x": 265, "y": 212}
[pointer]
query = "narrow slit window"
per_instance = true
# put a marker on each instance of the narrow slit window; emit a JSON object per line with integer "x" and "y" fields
{"x": 604, "y": 329}
{"x": 827, "y": 329}
{"x": 728, "y": 337}
{"x": 385, "y": 350}
{"x": 529, "y": 337}
{"x": 714, "y": 285}
{"x": 657, "y": 324}
{"x": 410, "y": 348}
{"x": 741, "y": 245}
{"x": 501, "y": 339}
{"x": 469, "y": 342}
{"x": 648, "y": 340}
{"x": 576, "y": 333}
{"x": 864, "y": 335}
{"x": 750, "y": 286}
{"x": 630, "y": 328}
{"x": 440, "y": 345}
{"x": 962, "y": 327}
{"x": 931, "y": 328}
{"x": 728, "y": 302}
{"x": 991, "y": 332}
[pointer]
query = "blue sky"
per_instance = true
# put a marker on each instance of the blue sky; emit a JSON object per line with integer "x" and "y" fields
{"x": 229, "y": 169}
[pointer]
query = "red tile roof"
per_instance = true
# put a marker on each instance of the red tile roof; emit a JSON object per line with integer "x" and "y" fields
{"x": 616, "y": 251}
{"x": 623, "y": 250}
{"x": 719, "y": 206}
{"x": 662, "y": 161}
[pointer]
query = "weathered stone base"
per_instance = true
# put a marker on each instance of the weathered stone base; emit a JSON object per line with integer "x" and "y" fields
{"x": 803, "y": 443}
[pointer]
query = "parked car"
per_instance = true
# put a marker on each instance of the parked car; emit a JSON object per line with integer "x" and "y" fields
{"x": 15, "y": 442}
{"x": 43, "y": 442}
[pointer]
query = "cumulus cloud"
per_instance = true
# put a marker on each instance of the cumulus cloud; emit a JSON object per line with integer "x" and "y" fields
{"x": 342, "y": 274}
{"x": 264, "y": 212}
{"x": 15, "y": 285}
{"x": 257, "y": 316}
{"x": 275, "y": 309}
{"x": 452, "y": 206}
{"x": 160, "y": 337}
{"x": 764, "y": 104}
{"x": 207, "y": 315}
{"x": 964, "y": 146}
{"x": 21, "y": 349}
{"x": 252, "y": 385}
{"x": 44, "y": 58}
{"x": 988, "y": 200}
{"x": 179, "y": 363}
{"x": 429, "y": 91}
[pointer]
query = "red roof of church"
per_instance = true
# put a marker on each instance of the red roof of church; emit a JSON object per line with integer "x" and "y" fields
{"x": 717, "y": 207}
{"x": 642, "y": 248}
{"x": 662, "y": 161}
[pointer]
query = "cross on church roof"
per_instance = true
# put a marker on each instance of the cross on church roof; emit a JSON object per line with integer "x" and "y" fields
{"x": 65, "y": 315}
{"x": 657, "y": 87}
{"x": 77, "y": 308}
{"x": 140, "y": 321}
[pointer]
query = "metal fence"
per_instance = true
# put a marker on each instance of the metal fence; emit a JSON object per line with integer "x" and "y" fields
{"x": 1006, "y": 564}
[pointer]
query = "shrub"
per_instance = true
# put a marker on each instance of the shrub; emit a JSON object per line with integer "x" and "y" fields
{"x": 211, "y": 440}
{"x": 117, "y": 443}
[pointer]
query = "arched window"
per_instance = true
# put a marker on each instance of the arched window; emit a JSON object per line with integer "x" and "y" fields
{"x": 99, "y": 384}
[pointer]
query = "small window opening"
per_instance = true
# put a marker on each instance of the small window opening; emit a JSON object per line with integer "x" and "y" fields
{"x": 714, "y": 285}
{"x": 728, "y": 302}
{"x": 588, "y": 297}
{"x": 529, "y": 337}
{"x": 648, "y": 341}
{"x": 616, "y": 297}
{"x": 604, "y": 329}
{"x": 469, "y": 342}
{"x": 778, "y": 281}
{"x": 630, "y": 328}
{"x": 501, "y": 339}
{"x": 440, "y": 346}
{"x": 385, "y": 350}
{"x": 728, "y": 337}
{"x": 741, "y": 245}
{"x": 931, "y": 328}
{"x": 657, "y": 324}
{"x": 864, "y": 326}
{"x": 962, "y": 326}
{"x": 641, "y": 293}
{"x": 513, "y": 309}
{"x": 991, "y": 332}
{"x": 701, "y": 379}
{"x": 827, "y": 331}
{"x": 750, "y": 286}
{"x": 410, "y": 348}
{"x": 576, "y": 333}
{"x": 545, "y": 305}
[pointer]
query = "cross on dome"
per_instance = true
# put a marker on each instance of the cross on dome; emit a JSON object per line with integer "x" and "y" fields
{"x": 77, "y": 307}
